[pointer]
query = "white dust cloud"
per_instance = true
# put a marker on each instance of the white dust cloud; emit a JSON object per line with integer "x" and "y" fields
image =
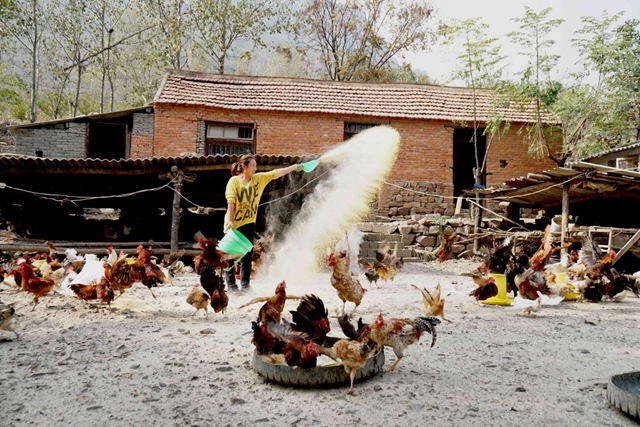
{"x": 340, "y": 199}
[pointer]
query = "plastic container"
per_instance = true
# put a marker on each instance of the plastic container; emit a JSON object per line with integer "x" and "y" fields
{"x": 569, "y": 296}
{"x": 234, "y": 243}
{"x": 311, "y": 165}
{"x": 501, "y": 298}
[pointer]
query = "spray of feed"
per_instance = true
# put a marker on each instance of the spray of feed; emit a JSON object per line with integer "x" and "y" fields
{"x": 340, "y": 199}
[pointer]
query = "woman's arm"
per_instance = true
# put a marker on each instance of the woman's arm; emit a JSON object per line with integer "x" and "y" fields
{"x": 231, "y": 210}
{"x": 284, "y": 171}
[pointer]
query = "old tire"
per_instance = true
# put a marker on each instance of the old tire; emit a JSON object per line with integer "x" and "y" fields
{"x": 623, "y": 392}
{"x": 314, "y": 377}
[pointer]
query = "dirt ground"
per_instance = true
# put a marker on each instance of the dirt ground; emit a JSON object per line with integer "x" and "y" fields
{"x": 146, "y": 362}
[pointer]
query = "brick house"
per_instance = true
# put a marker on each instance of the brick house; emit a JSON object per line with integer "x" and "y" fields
{"x": 212, "y": 114}
{"x": 220, "y": 114}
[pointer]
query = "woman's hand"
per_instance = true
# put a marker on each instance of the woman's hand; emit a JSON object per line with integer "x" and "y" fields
{"x": 298, "y": 167}
{"x": 228, "y": 225}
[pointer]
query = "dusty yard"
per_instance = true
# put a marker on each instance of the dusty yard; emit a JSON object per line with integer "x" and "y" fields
{"x": 146, "y": 362}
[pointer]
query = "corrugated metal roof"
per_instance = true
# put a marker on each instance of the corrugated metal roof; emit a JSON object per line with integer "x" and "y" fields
{"x": 587, "y": 180}
{"x": 395, "y": 100}
{"x": 612, "y": 150}
{"x": 142, "y": 165}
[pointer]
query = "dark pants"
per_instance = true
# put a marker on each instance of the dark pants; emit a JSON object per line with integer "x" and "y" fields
{"x": 248, "y": 231}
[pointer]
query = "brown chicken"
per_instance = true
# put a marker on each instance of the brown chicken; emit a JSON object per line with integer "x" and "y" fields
{"x": 547, "y": 249}
{"x": 122, "y": 275}
{"x": 213, "y": 256}
{"x": 7, "y": 312}
{"x": 386, "y": 264}
{"x": 348, "y": 286}
{"x": 486, "y": 289}
{"x": 446, "y": 247}
{"x": 530, "y": 283}
{"x": 37, "y": 286}
{"x": 212, "y": 283}
{"x": 84, "y": 292}
{"x": 299, "y": 349}
{"x": 276, "y": 301}
{"x": 260, "y": 252}
{"x": 262, "y": 339}
{"x": 354, "y": 355}
{"x": 433, "y": 304}
{"x": 199, "y": 299}
{"x": 362, "y": 333}
{"x": 401, "y": 333}
{"x": 312, "y": 318}
{"x": 104, "y": 292}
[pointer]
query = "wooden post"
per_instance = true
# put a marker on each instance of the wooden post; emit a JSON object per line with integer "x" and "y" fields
{"x": 178, "y": 177}
{"x": 565, "y": 215}
{"x": 177, "y": 212}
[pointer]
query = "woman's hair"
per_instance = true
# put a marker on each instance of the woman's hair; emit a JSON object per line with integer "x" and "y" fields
{"x": 238, "y": 167}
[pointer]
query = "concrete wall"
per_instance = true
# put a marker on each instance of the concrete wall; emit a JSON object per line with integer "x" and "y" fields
{"x": 54, "y": 141}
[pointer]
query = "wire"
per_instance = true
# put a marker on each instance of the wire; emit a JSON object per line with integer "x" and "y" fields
{"x": 74, "y": 199}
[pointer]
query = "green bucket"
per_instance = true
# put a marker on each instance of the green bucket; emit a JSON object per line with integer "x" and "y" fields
{"x": 235, "y": 243}
{"x": 311, "y": 165}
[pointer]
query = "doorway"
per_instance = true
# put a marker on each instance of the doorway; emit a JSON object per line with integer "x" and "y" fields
{"x": 107, "y": 141}
{"x": 464, "y": 159}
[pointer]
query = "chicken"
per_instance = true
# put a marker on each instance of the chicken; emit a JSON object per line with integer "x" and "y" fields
{"x": 172, "y": 266}
{"x": 276, "y": 301}
{"x": 354, "y": 355}
{"x": 37, "y": 286}
{"x": 386, "y": 265}
{"x": 111, "y": 255}
{"x": 260, "y": 252}
{"x": 446, "y": 246}
{"x": 312, "y": 318}
{"x": 343, "y": 262}
{"x": 262, "y": 339}
{"x": 540, "y": 259}
{"x": 104, "y": 292}
{"x": 212, "y": 283}
{"x": 213, "y": 256}
{"x": 526, "y": 306}
{"x": 299, "y": 349}
{"x": 199, "y": 299}
{"x": 486, "y": 289}
{"x": 529, "y": 283}
{"x": 433, "y": 304}
{"x": 85, "y": 292}
{"x": 122, "y": 275}
{"x": 498, "y": 260}
{"x": 7, "y": 312}
{"x": 372, "y": 276}
{"x": 515, "y": 266}
{"x": 401, "y": 333}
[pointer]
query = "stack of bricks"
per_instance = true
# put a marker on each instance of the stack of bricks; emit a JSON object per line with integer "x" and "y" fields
{"x": 416, "y": 238}
{"x": 420, "y": 198}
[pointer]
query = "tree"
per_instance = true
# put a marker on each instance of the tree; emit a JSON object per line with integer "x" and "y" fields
{"x": 480, "y": 67}
{"x": 358, "y": 39}
{"x": 24, "y": 21}
{"x": 605, "y": 114}
{"x": 536, "y": 90}
{"x": 222, "y": 23}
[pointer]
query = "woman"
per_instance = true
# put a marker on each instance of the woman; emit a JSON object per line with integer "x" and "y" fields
{"x": 243, "y": 193}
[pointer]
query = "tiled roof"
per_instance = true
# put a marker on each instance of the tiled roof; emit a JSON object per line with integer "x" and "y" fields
{"x": 394, "y": 100}
{"x": 613, "y": 150}
{"x": 11, "y": 162}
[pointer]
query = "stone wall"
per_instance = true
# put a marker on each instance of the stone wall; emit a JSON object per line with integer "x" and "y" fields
{"x": 55, "y": 141}
{"x": 419, "y": 198}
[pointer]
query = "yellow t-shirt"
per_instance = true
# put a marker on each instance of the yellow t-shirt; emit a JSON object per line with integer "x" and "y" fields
{"x": 246, "y": 196}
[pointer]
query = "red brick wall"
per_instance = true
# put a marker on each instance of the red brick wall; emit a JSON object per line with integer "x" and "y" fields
{"x": 141, "y": 145}
{"x": 426, "y": 151}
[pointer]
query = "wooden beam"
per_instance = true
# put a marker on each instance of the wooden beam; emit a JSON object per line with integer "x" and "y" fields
{"x": 626, "y": 247}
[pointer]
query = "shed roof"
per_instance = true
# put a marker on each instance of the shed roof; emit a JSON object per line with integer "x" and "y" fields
{"x": 588, "y": 181}
{"x": 396, "y": 100}
{"x": 82, "y": 119}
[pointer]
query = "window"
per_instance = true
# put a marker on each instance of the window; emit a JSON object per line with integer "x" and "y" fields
{"x": 229, "y": 138}
{"x": 628, "y": 163}
{"x": 351, "y": 129}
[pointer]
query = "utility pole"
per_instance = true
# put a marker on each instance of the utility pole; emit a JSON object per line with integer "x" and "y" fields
{"x": 179, "y": 178}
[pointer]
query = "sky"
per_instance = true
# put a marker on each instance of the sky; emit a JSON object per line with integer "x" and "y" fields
{"x": 441, "y": 60}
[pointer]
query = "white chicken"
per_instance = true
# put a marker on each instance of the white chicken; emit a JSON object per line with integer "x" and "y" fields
{"x": 525, "y": 305}
{"x": 92, "y": 272}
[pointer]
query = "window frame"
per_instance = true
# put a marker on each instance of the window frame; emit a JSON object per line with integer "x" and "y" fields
{"x": 229, "y": 142}
{"x": 362, "y": 126}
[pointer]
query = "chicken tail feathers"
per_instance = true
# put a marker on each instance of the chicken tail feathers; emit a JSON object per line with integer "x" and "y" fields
{"x": 347, "y": 327}
{"x": 428, "y": 324}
